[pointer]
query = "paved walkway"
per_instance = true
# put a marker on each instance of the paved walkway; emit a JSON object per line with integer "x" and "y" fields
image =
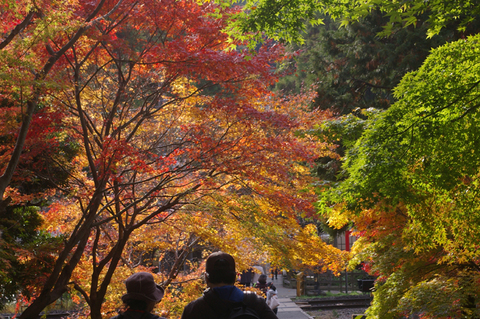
{"x": 287, "y": 309}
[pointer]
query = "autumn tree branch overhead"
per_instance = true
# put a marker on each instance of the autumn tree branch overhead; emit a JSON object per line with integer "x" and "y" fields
{"x": 164, "y": 136}
{"x": 40, "y": 71}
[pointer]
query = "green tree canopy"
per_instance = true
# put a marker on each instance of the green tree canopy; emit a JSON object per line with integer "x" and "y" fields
{"x": 412, "y": 189}
{"x": 285, "y": 19}
{"x": 26, "y": 253}
{"x": 404, "y": 13}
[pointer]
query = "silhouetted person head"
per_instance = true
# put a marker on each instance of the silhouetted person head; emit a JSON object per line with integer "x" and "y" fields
{"x": 142, "y": 292}
{"x": 262, "y": 279}
{"x": 220, "y": 269}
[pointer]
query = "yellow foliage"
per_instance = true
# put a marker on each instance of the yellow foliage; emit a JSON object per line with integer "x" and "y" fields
{"x": 338, "y": 217}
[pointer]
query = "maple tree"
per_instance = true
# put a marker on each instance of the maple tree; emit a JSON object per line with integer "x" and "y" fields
{"x": 406, "y": 184}
{"x": 411, "y": 191}
{"x": 26, "y": 253}
{"x": 176, "y": 136}
{"x": 355, "y": 71}
{"x": 440, "y": 13}
{"x": 286, "y": 20}
{"x": 41, "y": 165}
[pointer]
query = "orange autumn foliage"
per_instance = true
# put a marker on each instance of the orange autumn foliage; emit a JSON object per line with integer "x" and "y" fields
{"x": 179, "y": 143}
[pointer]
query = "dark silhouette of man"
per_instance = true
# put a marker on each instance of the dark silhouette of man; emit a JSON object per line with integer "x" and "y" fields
{"x": 221, "y": 296}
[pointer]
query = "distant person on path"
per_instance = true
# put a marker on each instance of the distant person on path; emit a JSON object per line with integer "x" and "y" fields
{"x": 274, "y": 272}
{"x": 141, "y": 297}
{"x": 262, "y": 284}
{"x": 272, "y": 297}
{"x": 221, "y": 296}
{"x": 246, "y": 277}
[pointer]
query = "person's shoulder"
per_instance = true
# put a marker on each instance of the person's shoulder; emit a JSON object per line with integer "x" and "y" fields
{"x": 195, "y": 303}
{"x": 252, "y": 298}
{"x": 196, "y": 308}
{"x": 137, "y": 315}
{"x": 258, "y": 304}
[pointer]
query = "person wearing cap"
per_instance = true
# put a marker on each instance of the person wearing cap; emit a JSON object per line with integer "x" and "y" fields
{"x": 221, "y": 295}
{"x": 141, "y": 297}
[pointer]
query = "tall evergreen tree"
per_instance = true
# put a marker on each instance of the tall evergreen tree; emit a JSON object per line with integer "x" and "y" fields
{"x": 355, "y": 68}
